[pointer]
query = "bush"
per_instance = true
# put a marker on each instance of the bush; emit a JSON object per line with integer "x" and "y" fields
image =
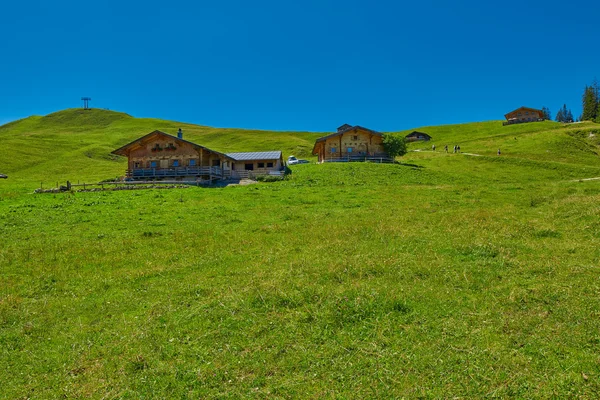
{"x": 394, "y": 145}
{"x": 268, "y": 178}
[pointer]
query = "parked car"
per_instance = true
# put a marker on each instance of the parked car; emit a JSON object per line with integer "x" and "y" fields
{"x": 293, "y": 160}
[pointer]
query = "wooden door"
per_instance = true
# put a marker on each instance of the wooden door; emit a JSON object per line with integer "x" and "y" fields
{"x": 164, "y": 163}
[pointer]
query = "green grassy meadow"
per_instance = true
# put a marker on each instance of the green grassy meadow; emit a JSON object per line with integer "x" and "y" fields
{"x": 444, "y": 276}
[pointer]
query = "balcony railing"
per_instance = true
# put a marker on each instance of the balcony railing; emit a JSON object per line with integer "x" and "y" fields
{"x": 518, "y": 121}
{"x": 140, "y": 173}
{"x": 357, "y": 157}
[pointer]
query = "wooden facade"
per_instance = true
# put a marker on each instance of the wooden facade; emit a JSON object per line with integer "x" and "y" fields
{"x": 524, "y": 114}
{"x": 351, "y": 143}
{"x": 159, "y": 155}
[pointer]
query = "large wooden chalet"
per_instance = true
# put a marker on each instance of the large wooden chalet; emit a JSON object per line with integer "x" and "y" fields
{"x": 159, "y": 155}
{"x": 351, "y": 143}
{"x": 522, "y": 115}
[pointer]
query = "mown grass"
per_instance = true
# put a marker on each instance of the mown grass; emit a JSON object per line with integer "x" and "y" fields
{"x": 445, "y": 276}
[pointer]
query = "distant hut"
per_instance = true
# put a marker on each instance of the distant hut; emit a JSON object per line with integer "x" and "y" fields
{"x": 3, "y": 176}
{"x": 522, "y": 115}
{"x": 417, "y": 136}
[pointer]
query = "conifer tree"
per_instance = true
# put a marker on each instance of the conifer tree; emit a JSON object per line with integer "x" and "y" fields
{"x": 564, "y": 114}
{"x": 596, "y": 87}
{"x": 560, "y": 116}
{"x": 569, "y": 116}
{"x": 546, "y": 113}
{"x": 589, "y": 103}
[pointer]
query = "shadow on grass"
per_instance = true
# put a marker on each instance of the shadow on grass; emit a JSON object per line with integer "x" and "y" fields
{"x": 409, "y": 165}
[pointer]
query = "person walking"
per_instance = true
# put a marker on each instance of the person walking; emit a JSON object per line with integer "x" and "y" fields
{"x": 455, "y": 148}
{"x": 446, "y": 148}
{"x": 458, "y": 148}
{"x": 498, "y": 151}
{"x": 433, "y": 147}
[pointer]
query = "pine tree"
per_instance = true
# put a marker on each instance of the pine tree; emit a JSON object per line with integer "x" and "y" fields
{"x": 589, "y": 103}
{"x": 560, "y": 116}
{"x": 546, "y": 113}
{"x": 569, "y": 116}
{"x": 596, "y": 87}
{"x": 564, "y": 114}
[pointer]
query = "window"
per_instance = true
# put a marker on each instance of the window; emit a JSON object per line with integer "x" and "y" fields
{"x": 136, "y": 164}
{"x": 216, "y": 163}
{"x": 349, "y": 150}
{"x": 153, "y": 164}
{"x": 333, "y": 149}
{"x": 249, "y": 167}
{"x": 269, "y": 165}
{"x": 354, "y": 137}
{"x": 192, "y": 162}
{"x": 261, "y": 165}
{"x": 527, "y": 113}
{"x": 176, "y": 163}
{"x": 519, "y": 114}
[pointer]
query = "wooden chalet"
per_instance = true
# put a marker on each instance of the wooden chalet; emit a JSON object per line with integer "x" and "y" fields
{"x": 351, "y": 143}
{"x": 417, "y": 136}
{"x": 523, "y": 115}
{"x": 159, "y": 155}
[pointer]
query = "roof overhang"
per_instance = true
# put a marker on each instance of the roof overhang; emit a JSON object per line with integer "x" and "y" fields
{"x": 126, "y": 149}
{"x": 523, "y": 109}
{"x": 341, "y": 132}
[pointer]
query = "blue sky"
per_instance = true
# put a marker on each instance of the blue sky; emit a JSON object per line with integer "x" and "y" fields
{"x": 302, "y": 65}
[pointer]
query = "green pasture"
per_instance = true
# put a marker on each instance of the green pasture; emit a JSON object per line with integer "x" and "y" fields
{"x": 443, "y": 276}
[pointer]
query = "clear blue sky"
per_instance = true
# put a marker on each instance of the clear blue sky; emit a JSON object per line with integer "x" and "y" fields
{"x": 298, "y": 65}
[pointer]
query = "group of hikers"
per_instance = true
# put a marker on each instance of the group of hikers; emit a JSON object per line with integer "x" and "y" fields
{"x": 456, "y": 148}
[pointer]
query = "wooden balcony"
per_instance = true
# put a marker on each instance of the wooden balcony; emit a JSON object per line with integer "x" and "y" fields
{"x": 181, "y": 172}
{"x": 358, "y": 157}
{"x": 518, "y": 121}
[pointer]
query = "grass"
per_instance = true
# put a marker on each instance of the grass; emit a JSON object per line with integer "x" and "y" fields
{"x": 445, "y": 276}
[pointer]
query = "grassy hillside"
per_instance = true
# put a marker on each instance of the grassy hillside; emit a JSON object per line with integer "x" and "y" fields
{"x": 76, "y": 144}
{"x": 449, "y": 275}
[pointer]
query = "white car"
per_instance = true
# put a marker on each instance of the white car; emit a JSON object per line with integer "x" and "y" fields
{"x": 293, "y": 160}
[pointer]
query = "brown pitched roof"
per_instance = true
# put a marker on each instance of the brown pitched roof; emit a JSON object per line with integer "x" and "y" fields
{"x": 524, "y": 109}
{"x": 122, "y": 151}
{"x": 350, "y": 128}
{"x": 417, "y": 133}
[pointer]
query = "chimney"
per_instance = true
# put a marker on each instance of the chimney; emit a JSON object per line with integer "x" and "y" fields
{"x": 179, "y": 134}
